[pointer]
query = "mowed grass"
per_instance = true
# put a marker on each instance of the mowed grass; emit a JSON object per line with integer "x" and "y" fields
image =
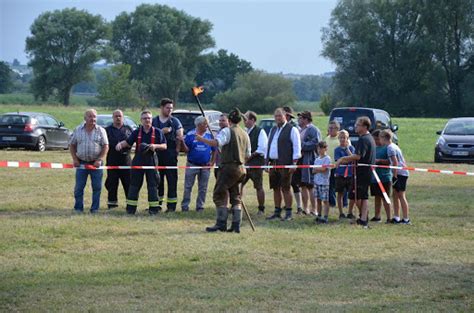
{"x": 54, "y": 260}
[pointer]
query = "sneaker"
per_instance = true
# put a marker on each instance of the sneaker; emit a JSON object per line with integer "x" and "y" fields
{"x": 184, "y": 209}
{"x": 405, "y": 222}
{"x": 362, "y": 223}
{"x": 299, "y": 211}
{"x": 394, "y": 221}
{"x": 350, "y": 215}
{"x": 199, "y": 210}
{"x": 321, "y": 220}
{"x": 342, "y": 215}
{"x": 112, "y": 206}
{"x": 376, "y": 219}
{"x": 314, "y": 214}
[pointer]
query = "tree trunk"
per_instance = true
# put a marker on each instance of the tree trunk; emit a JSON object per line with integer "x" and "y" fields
{"x": 66, "y": 95}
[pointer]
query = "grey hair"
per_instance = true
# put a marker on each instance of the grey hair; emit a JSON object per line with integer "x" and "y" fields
{"x": 89, "y": 111}
{"x": 117, "y": 111}
{"x": 199, "y": 120}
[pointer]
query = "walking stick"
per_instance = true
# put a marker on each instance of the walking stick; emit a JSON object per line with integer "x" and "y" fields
{"x": 248, "y": 215}
{"x": 196, "y": 91}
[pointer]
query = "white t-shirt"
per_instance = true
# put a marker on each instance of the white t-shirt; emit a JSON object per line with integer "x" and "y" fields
{"x": 322, "y": 178}
{"x": 394, "y": 150}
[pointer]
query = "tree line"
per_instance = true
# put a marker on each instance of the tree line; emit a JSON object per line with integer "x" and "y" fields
{"x": 410, "y": 57}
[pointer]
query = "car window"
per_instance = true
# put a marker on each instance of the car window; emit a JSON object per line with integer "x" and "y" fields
{"x": 381, "y": 120}
{"x": 51, "y": 121}
{"x": 186, "y": 119}
{"x": 104, "y": 121}
{"x": 41, "y": 120}
{"x": 459, "y": 128}
{"x": 347, "y": 118}
{"x": 14, "y": 119}
{"x": 130, "y": 122}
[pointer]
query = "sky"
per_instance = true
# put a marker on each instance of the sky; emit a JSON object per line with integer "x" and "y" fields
{"x": 278, "y": 36}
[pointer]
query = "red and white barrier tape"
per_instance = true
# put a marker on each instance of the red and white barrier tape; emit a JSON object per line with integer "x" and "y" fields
{"x": 21, "y": 164}
{"x": 382, "y": 188}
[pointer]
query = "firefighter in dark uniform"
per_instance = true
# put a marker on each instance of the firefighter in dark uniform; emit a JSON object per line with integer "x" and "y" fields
{"x": 235, "y": 147}
{"x": 173, "y": 131}
{"x": 116, "y": 133}
{"x": 148, "y": 139}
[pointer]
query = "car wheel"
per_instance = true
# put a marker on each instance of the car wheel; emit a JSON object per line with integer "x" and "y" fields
{"x": 437, "y": 159}
{"x": 41, "y": 144}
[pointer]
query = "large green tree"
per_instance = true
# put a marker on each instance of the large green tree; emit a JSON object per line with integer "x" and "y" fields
{"x": 163, "y": 45}
{"x": 257, "y": 91}
{"x": 115, "y": 87}
{"x": 380, "y": 53}
{"x": 218, "y": 72}
{"x": 6, "y": 82}
{"x": 63, "y": 45}
{"x": 450, "y": 29}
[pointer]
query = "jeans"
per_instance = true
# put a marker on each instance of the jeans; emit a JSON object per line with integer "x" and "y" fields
{"x": 81, "y": 180}
{"x": 189, "y": 178}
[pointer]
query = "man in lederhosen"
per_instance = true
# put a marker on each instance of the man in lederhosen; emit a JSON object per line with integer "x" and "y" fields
{"x": 234, "y": 144}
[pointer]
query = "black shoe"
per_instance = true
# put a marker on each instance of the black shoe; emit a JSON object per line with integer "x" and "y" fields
{"x": 342, "y": 215}
{"x": 112, "y": 206}
{"x": 199, "y": 210}
{"x": 299, "y": 211}
{"x": 276, "y": 214}
{"x": 394, "y": 221}
{"x": 321, "y": 220}
{"x": 350, "y": 215}
{"x": 288, "y": 216}
{"x": 405, "y": 222}
{"x": 170, "y": 210}
{"x": 362, "y": 223}
{"x": 216, "y": 227}
{"x": 376, "y": 219}
{"x": 153, "y": 211}
{"x": 235, "y": 227}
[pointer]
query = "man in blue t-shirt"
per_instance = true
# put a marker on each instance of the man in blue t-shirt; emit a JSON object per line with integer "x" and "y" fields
{"x": 173, "y": 131}
{"x": 199, "y": 154}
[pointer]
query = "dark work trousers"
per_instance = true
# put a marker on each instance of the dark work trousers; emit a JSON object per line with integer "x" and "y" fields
{"x": 332, "y": 191}
{"x": 136, "y": 182}
{"x": 172, "y": 182}
{"x": 112, "y": 183}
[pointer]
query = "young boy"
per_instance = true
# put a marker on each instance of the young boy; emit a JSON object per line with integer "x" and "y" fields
{"x": 343, "y": 174}
{"x": 385, "y": 175}
{"x": 399, "y": 180}
{"x": 321, "y": 182}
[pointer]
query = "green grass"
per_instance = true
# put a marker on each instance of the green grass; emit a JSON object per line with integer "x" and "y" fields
{"x": 53, "y": 260}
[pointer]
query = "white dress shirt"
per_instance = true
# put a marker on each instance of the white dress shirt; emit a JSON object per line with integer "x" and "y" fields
{"x": 262, "y": 141}
{"x": 295, "y": 139}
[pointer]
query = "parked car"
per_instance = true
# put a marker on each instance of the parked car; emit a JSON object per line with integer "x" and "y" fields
{"x": 187, "y": 117}
{"x": 456, "y": 141}
{"x": 347, "y": 117}
{"x": 266, "y": 124}
{"x": 105, "y": 120}
{"x": 32, "y": 130}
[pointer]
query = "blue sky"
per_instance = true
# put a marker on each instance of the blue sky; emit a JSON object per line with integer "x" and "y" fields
{"x": 275, "y": 36}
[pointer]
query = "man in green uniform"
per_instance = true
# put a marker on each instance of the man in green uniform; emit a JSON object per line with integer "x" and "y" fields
{"x": 234, "y": 144}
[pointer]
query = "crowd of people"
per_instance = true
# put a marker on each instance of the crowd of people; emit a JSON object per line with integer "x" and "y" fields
{"x": 239, "y": 155}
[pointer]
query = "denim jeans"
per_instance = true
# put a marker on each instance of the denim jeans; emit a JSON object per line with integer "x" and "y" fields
{"x": 81, "y": 180}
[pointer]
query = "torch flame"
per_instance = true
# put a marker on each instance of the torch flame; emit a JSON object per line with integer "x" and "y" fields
{"x": 197, "y": 90}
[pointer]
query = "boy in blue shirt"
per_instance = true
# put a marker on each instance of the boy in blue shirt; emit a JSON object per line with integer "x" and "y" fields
{"x": 385, "y": 176}
{"x": 343, "y": 174}
{"x": 321, "y": 182}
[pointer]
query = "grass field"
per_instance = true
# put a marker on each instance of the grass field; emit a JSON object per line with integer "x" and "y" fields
{"x": 53, "y": 260}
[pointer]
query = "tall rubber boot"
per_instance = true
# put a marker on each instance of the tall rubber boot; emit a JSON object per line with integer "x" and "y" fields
{"x": 236, "y": 220}
{"x": 221, "y": 221}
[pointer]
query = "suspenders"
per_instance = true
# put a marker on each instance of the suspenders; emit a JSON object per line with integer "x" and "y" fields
{"x": 139, "y": 139}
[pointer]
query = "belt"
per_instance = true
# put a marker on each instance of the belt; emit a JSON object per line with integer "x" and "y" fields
{"x": 87, "y": 162}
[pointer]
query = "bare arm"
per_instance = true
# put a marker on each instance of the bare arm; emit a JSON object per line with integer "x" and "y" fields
{"x": 73, "y": 151}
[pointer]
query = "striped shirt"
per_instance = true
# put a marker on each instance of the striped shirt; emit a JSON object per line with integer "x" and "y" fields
{"x": 88, "y": 144}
